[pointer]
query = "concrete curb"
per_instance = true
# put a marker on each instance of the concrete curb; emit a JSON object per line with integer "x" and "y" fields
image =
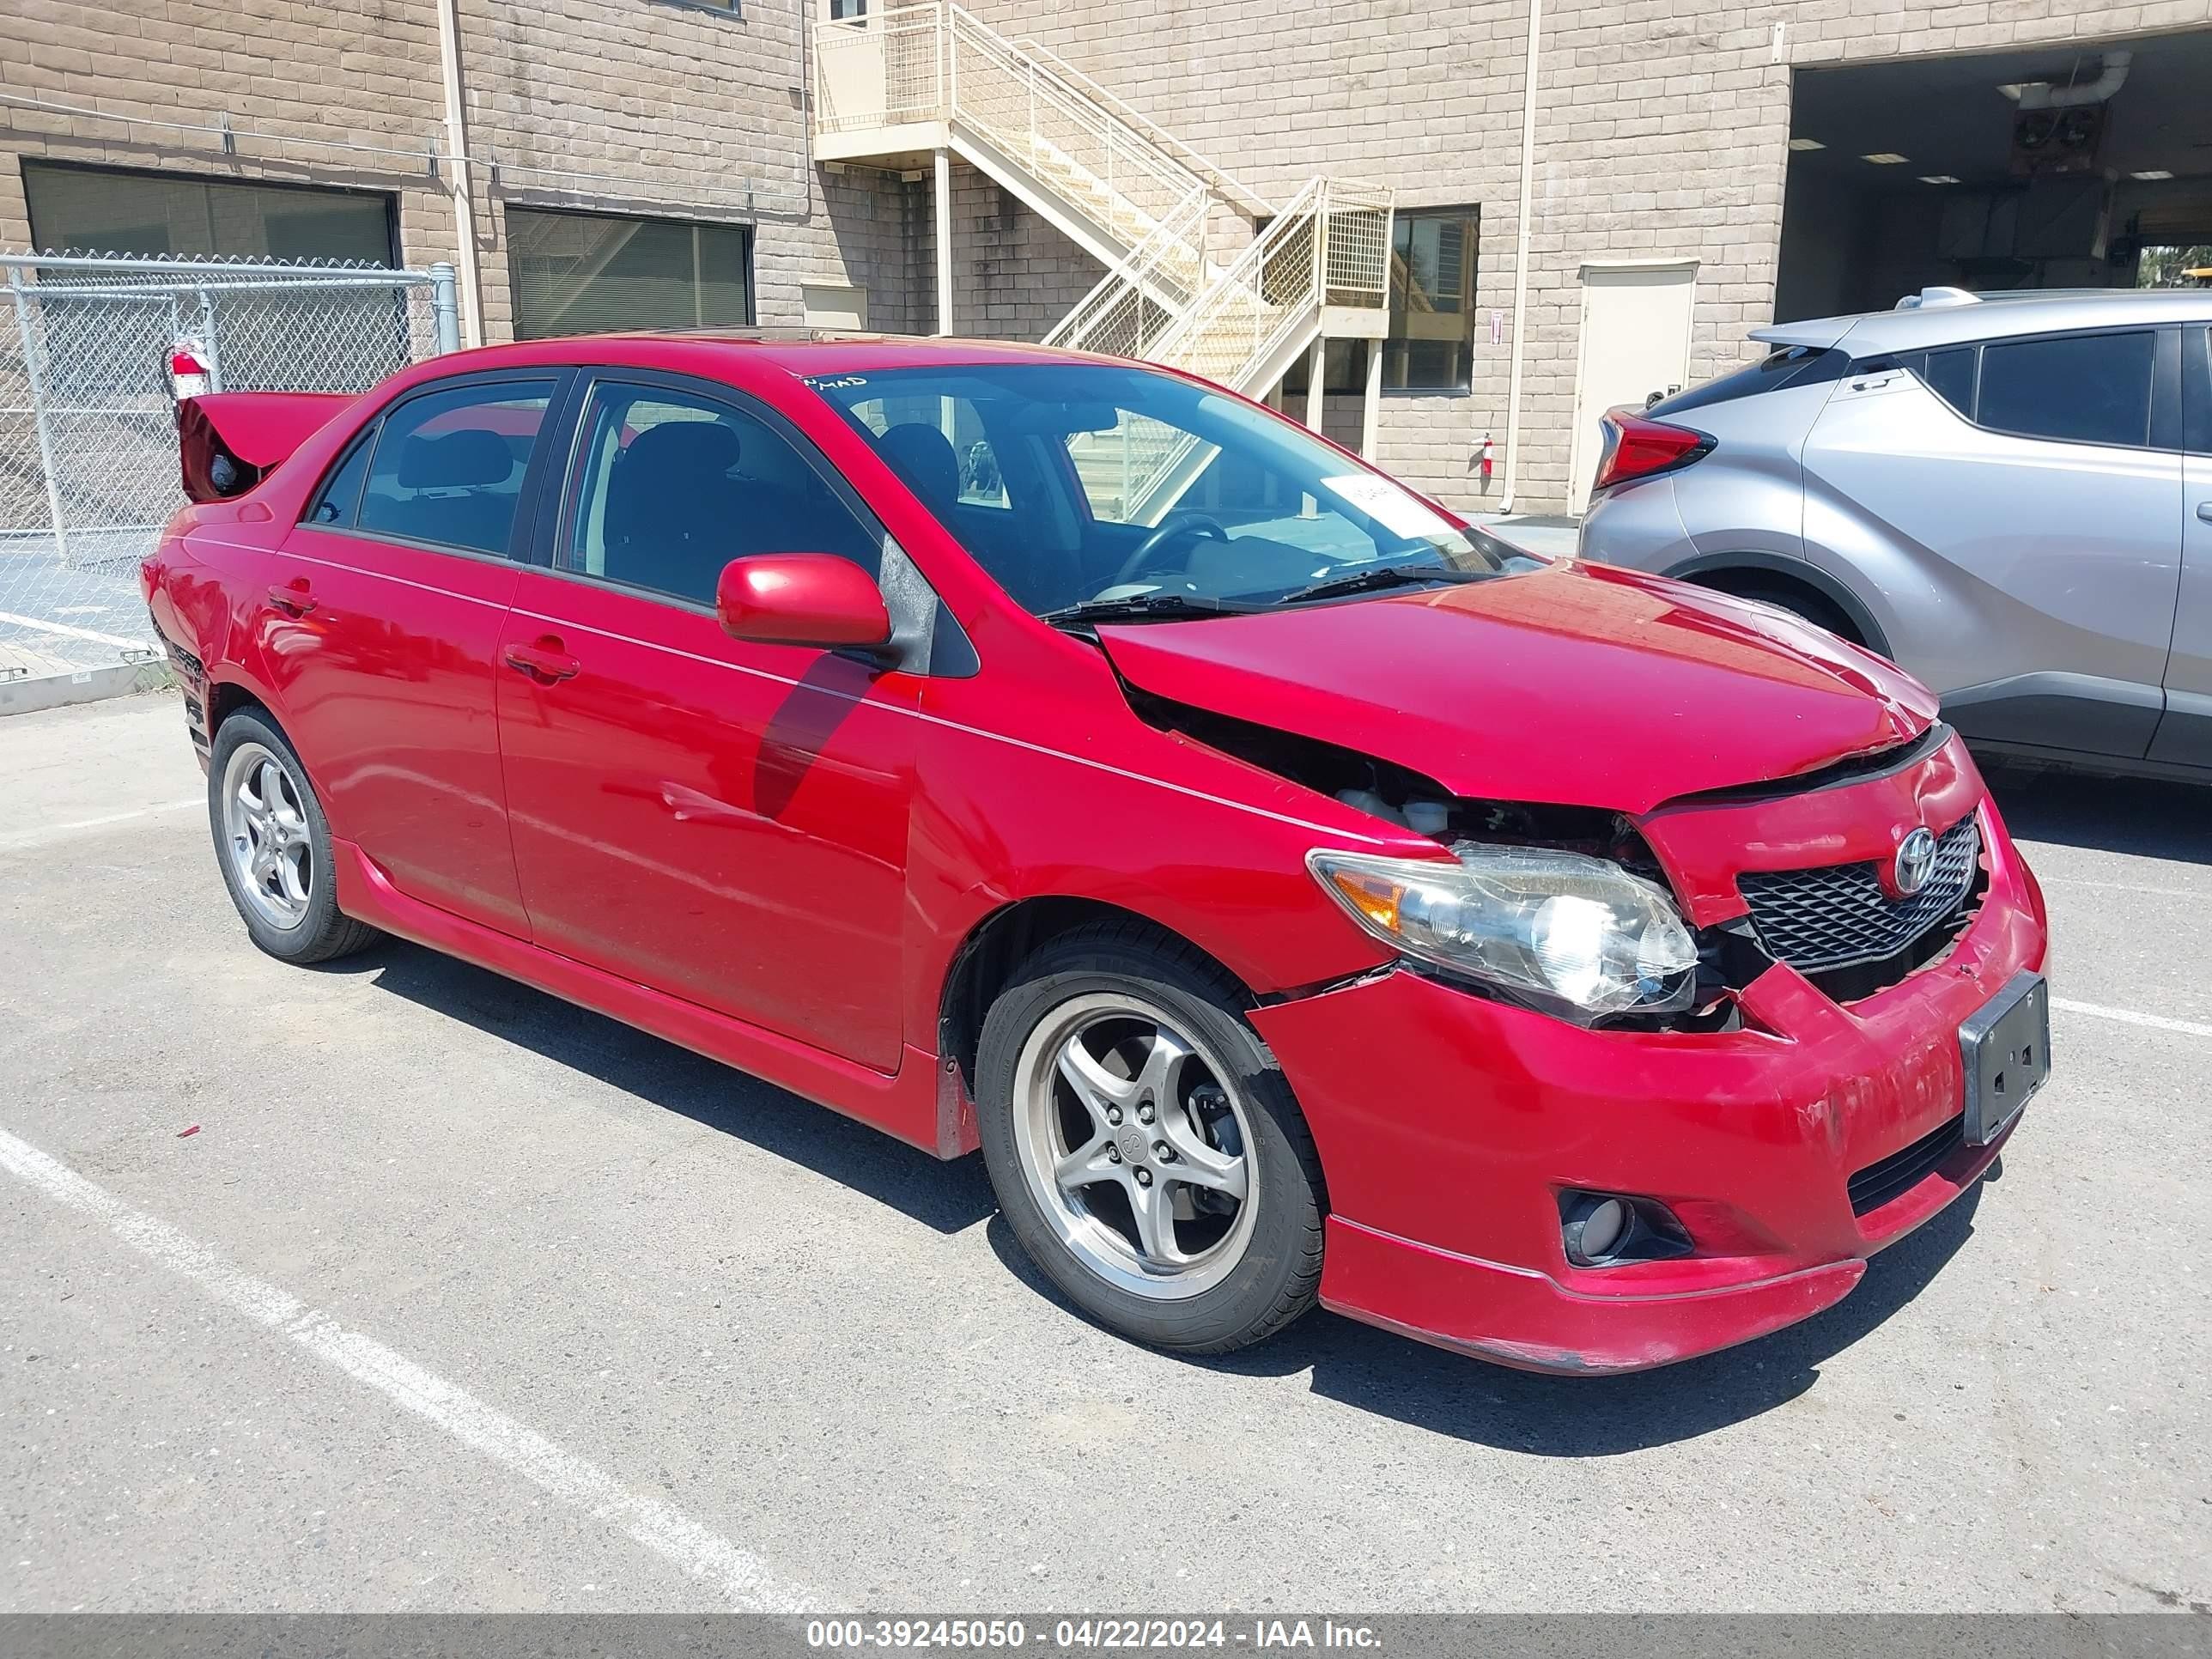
{"x": 120, "y": 679}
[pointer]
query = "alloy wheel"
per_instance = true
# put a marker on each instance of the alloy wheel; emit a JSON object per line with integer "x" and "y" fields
{"x": 1134, "y": 1141}
{"x": 265, "y": 835}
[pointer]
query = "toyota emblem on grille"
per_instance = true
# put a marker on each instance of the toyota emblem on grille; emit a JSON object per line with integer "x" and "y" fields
{"x": 1916, "y": 861}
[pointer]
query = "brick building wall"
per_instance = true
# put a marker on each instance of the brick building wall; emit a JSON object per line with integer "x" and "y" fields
{"x": 622, "y": 105}
{"x": 1662, "y": 133}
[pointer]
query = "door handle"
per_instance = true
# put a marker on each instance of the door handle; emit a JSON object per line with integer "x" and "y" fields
{"x": 2204, "y": 511}
{"x": 294, "y": 598}
{"x": 543, "y": 660}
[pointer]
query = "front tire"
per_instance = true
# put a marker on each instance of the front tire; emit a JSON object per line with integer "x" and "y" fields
{"x": 1145, "y": 1146}
{"x": 273, "y": 844}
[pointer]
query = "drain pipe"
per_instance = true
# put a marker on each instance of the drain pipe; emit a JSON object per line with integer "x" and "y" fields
{"x": 1520, "y": 256}
{"x": 456, "y": 143}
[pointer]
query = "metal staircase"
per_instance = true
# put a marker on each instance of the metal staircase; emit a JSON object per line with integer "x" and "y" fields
{"x": 927, "y": 79}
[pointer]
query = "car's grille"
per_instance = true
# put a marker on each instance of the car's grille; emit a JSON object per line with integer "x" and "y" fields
{"x": 1901, "y": 1171}
{"x": 1839, "y": 915}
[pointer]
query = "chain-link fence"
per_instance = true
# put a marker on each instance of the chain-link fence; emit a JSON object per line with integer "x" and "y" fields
{"x": 87, "y": 428}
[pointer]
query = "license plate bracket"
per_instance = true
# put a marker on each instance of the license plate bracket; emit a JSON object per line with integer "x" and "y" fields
{"x": 2006, "y": 1050}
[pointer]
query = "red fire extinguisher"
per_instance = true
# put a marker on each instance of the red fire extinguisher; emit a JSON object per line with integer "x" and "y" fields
{"x": 1484, "y": 457}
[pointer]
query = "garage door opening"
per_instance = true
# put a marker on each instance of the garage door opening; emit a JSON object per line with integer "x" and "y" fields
{"x": 2074, "y": 165}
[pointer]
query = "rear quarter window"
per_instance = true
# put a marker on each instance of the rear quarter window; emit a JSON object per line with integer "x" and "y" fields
{"x": 336, "y": 502}
{"x": 1950, "y": 375}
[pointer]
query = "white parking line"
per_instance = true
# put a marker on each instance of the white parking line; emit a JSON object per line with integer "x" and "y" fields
{"x": 2129, "y": 1016}
{"x": 743, "y": 1579}
{"x": 54, "y": 832}
{"x": 2124, "y": 887}
{"x": 69, "y": 631}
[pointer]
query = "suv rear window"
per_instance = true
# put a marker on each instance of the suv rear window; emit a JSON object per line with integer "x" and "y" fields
{"x": 2089, "y": 389}
{"x": 1790, "y": 366}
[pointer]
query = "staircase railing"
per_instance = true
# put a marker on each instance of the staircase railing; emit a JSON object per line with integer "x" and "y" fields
{"x": 1019, "y": 103}
{"x": 1140, "y": 301}
{"x": 1224, "y": 183}
{"x": 937, "y": 61}
{"x": 1330, "y": 246}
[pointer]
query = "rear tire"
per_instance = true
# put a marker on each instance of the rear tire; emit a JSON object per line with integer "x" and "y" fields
{"x": 1145, "y": 1146}
{"x": 273, "y": 845}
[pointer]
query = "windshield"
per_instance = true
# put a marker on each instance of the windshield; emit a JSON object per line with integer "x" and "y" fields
{"x": 1099, "y": 488}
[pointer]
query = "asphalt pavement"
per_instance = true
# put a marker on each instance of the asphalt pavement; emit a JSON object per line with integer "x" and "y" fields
{"x": 393, "y": 1286}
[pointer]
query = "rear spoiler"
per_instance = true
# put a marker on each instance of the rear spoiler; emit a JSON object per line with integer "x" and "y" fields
{"x": 1819, "y": 332}
{"x": 228, "y": 441}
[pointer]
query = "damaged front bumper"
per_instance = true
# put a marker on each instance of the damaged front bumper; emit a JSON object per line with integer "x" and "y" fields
{"x": 1450, "y": 1125}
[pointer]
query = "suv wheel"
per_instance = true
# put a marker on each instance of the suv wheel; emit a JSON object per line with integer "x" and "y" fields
{"x": 1144, "y": 1144}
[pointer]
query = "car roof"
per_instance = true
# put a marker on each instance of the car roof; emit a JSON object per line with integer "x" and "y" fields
{"x": 1949, "y": 316}
{"x": 799, "y": 352}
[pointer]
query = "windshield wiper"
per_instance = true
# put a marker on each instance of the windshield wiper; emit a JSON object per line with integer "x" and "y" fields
{"x": 1146, "y": 607}
{"x": 1383, "y": 575}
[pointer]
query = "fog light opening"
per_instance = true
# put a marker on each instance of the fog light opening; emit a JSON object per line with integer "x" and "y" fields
{"x": 1592, "y": 1226}
{"x": 1605, "y": 1230}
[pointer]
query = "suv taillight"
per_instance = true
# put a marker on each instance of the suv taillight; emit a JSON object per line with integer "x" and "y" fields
{"x": 1636, "y": 447}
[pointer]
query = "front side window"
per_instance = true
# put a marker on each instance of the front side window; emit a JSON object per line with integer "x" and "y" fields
{"x": 1135, "y": 488}
{"x": 669, "y": 487}
{"x": 2086, "y": 389}
{"x": 448, "y": 466}
{"x": 591, "y": 273}
{"x": 1431, "y": 345}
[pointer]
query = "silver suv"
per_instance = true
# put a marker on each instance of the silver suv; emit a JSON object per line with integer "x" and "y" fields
{"x": 2011, "y": 494}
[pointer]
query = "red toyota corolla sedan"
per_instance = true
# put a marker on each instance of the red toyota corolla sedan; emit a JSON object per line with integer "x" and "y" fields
{"x": 1296, "y": 894}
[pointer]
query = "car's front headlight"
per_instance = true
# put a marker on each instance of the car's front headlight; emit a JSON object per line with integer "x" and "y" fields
{"x": 1576, "y": 935}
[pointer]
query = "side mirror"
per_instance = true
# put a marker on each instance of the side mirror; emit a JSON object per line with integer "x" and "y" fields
{"x": 801, "y": 598}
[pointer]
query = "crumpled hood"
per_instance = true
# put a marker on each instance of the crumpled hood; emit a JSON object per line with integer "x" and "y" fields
{"x": 1572, "y": 684}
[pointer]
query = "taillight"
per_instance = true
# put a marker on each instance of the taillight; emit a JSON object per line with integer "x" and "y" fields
{"x": 1638, "y": 448}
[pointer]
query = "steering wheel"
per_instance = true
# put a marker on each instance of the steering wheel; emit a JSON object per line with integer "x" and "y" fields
{"x": 1182, "y": 524}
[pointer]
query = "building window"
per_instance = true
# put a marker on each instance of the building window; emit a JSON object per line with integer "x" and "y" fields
{"x": 846, "y": 10}
{"x": 1431, "y": 346}
{"x": 116, "y": 210}
{"x": 584, "y": 273}
{"x": 1344, "y": 371}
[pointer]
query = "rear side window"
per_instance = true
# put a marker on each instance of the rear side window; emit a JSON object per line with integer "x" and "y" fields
{"x": 1791, "y": 366}
{"x": 2088, "y": 389}
{"x": 448, "y": 466}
